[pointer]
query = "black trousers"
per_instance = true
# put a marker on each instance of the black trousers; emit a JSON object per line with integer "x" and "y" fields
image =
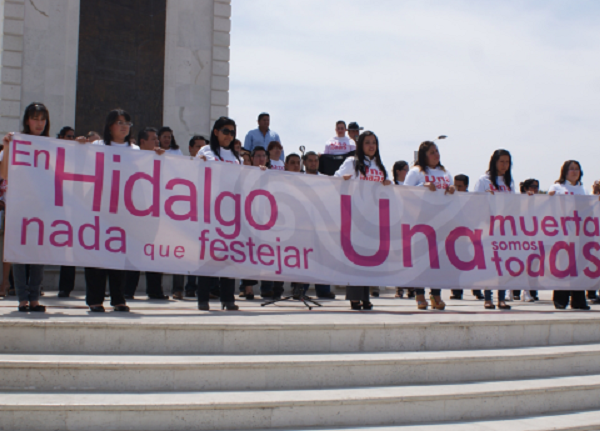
{"x": 357, "y": 293}
{"x": 562, "y": 297}
{"x": 178, "y": 280}
{"x": 227, "y": 288}
{"x": 95, "y": 285}
{"x": 192, "y": 283}
{"x": 434, "y": 292}
{"x": 66, "y": 279}
{"x": 457, "y": 292}
{"x": 153, "y": 283}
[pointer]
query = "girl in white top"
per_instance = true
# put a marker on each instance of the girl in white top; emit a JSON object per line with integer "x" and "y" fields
{"x": 36, "y": 121}
{"x": 569, "y": 183}
{"x": 274, "y": 149}
{"x": 167, "y": 141}
{"x": 399, "y": 171}
{"x": 498, "y": 179}
{"x": 429, "y": 172}
{"x": 219, "y": 149}
{"x": 365, "y": 165}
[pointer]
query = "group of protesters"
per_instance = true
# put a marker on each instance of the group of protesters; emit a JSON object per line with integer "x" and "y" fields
{"x": 352, "y": 154}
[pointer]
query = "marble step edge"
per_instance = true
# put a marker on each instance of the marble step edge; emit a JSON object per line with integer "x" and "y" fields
{"x": 229, "y": 400}
{"x": 578, "y": 421}
{"x": 582, "y": 318}
{"x": 126, "y": 361}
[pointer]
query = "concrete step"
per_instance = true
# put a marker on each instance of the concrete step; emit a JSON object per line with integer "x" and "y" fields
{"x": 251, "y": 333}
{"x": 371, "y": 406}
{"x": 580, "y": 421}
{"x": 274, "y": 372}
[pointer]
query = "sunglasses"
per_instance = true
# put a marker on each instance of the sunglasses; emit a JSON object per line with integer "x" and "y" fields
{"x": 227, "y": 132}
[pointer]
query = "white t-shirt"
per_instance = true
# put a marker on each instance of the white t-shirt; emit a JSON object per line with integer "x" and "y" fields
{"x": 567, "y": 189}
{"x": 117, "y": 145}
{"x": 226, "y": 155}
{"x": 373, "y": 172}
{"x": 441, "y": 179}
{"x": 484, "y": 184}
{"x": 277, "y": 165}
{"x": 175, "y": 152}
{"x": 337, "y": 145}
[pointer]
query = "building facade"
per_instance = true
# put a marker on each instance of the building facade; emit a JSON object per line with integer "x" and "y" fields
{"x": 166, "y": 62}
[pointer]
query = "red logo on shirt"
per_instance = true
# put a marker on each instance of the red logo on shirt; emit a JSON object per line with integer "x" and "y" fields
{"x": 440, "y": 182}
{"x": 372, "y": 175}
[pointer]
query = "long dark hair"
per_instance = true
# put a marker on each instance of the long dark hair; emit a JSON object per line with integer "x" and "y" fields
{"x": 165, "y": 129}
{"x": 526, "y": 185}
{"x": 493, "y": 170}
{"x": 214, "y": 141}
{"x": 112, "y": 118}
{"x": 33, "y": 110}
{"x": 422, "y": 157}
{"x": 398, "y": 166}
{"x": 359, "y": 158}
{"x": 565, "y": 170}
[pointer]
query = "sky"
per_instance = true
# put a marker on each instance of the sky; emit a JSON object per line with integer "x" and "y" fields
{"x": 519, "y": 75}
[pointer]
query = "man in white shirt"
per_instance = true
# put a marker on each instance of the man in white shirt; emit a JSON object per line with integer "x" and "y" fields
{"x": 340, "y": 143}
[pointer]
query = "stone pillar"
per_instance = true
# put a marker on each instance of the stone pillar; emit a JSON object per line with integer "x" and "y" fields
{"x": 196, "y": 66}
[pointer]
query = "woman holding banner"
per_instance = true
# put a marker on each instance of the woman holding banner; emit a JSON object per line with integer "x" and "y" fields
{"x": 365, "y": 165}
{"x": 117, "y": 132}
{"x": 569, "y": 183}
{"x": 28, "y": 278}
{"x": 498, "y": 179}
{"x": 428, "y": 171}
{"x": 219, "y": 149}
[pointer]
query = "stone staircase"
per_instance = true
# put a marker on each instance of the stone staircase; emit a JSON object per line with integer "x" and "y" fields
{"x": 228, "y": 373}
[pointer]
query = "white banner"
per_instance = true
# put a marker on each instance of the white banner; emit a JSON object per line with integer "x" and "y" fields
{"x": 85, "y": 205}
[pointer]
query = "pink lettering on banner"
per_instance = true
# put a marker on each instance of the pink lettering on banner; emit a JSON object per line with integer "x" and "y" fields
{"x": 384, "y": 234}
{"x": 272, "y": 205}
{"x": 191, "y": 198}
{"x": 571, "y": 269}
{"x": 235, "y": 221}
{"x": 207, "y": 191}
{"x": 408, "y": 233}
{"x": 154, "y": 180}
{"x": 587, "y": 254}
{"x": 15, "y": 152}
{"x": 478, "y": 260}
{"x": 60, "y": 176}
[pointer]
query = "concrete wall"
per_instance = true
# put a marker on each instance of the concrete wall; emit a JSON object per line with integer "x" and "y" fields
{"x": 39, "y": 46}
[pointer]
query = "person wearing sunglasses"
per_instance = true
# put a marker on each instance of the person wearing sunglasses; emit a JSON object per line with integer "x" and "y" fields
{"x": 219, "y": 149}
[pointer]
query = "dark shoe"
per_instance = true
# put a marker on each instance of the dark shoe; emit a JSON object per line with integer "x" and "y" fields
{"x": 595, "y": 301}
{"x": 213, "y": 296}
{"x": 581, "y": 307}
{"x": 24, "y": 308}
{"x": 489, "y": 306}
{"x": 123, "y": 308}
{"x": 455, "y": 297}
{"x": 535, "y": 297}
{"x": 399, "y": 292}
{"x": 560, "y": 306}
{"x": 229, "y": 306}
{"x": 375, "y": 294}
{"x": 128, "y": 297}
{"x": 176, "y": 295}
{"x": 367, "y": 305}
{"x": 161, "y": 296}
{"x": 328, "y": 295}
{"x": 63, "y": 294}
{"x": 249, "y": 296}
{"x": 355, "y": 305}
{"x": 266, "y": 295}
{"x": 190, "y": 294}
{"x": 504, "y": 307}
{"x": 480, "y": 297}
{"x": 97, "y": 309}
{"x": 241, "y": 295}
{"x": 203, "y": 306}
{"x": 38, "y": 308}
{"x": 411, "y": 293}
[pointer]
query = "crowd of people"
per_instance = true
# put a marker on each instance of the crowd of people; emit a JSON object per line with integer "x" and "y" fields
{"x": 349, "y": 155}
